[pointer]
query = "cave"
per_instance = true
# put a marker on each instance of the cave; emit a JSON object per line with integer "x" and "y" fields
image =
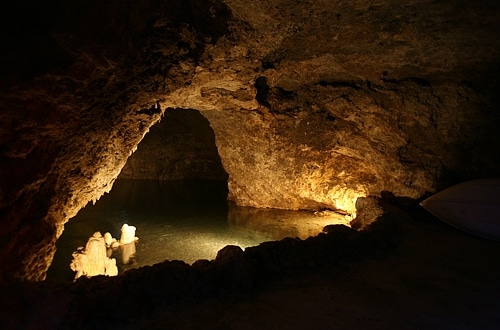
{"x": 180, "y": 147}
{"x": 174, "y": 175}
{"x": 355, "y": 108}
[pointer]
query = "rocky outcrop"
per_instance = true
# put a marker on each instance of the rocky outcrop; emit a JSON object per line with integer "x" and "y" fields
{"x": 312, "y": 104}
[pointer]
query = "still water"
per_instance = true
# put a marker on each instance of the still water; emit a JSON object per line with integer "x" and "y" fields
{"x": 177, "y": 220}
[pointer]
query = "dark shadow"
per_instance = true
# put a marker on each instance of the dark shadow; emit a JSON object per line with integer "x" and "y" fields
{"x": 181, "y": 146}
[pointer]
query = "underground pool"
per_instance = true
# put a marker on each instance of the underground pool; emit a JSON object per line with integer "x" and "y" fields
{"x": 183, "y": 220}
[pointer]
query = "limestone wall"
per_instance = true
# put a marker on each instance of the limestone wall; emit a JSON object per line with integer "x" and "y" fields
{"x": 312, "y": 104}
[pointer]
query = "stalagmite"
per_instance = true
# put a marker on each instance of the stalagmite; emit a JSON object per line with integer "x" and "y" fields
{"x": 108, "y": 239}
{"x": 93, "y": 260}
{"x": 128, "y": 234}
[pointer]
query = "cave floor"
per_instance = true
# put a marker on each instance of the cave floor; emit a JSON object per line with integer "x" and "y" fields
{"x": 436, "y": 278}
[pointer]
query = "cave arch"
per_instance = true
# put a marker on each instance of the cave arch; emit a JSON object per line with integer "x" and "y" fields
{"x": 178, "y": 154}
{"x": 180, "y": 146}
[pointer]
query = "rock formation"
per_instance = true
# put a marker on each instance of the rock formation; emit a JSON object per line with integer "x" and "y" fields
{"x": 93, "y": 260}
{"x": 128, "y": 234}
{"x": 313, "y": 104}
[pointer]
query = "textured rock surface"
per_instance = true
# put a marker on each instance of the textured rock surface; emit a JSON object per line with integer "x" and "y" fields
{"x": 313, "y": 104}
{"x": 69, "y": 126}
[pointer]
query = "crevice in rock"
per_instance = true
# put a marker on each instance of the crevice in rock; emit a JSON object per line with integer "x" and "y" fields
{"x": 417, "y": 80}
{"x": 262, "y": 91}
{"x": 339, "y": 83}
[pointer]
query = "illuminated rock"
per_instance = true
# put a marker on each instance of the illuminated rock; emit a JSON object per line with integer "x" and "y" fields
{"x": 115, "y": 245}
{"x": 111, "y": 269}
{"x": 93, "y": 260}
{"x": 303, "y": 116}
{"x": 128, "y": 234}
{"x": 109, "y": 240}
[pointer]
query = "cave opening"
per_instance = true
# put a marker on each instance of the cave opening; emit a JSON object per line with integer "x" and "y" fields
{"x": 180, "y": 147}
{"x": 174, "y": 190}
{"x": 174, "y": 179}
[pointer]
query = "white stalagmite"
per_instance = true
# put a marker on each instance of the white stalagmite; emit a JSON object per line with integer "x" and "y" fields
{"x": 93, "y": 260}
{"x": 108, "y": 239}
{"x": 128, "y": 234}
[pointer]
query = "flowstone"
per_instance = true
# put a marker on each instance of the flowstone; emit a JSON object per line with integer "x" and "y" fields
{"x": 93, "y": 259}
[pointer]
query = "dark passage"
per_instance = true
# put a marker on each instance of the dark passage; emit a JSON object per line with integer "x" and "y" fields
{"x": 181, "y": 146}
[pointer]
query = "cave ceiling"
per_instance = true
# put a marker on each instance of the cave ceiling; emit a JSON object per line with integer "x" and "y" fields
{"x": 313, "y": 103}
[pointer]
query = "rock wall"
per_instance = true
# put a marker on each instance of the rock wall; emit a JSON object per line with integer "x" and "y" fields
{"x": 73, "y": 103}
{"x": 313, "y": 104}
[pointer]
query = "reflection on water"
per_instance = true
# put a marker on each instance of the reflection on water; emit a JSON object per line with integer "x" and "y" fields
{"x": 278, "y": 224}
{"x": 128, "y": 253}
{"x": 177, "y": 220}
